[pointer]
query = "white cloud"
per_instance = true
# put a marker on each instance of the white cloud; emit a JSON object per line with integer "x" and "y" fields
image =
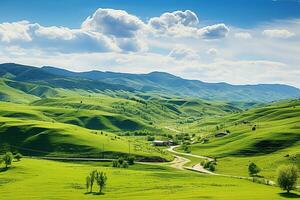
{"x": 243, "y": 35}
{"x": 212, "y": 51}
{"x": 178, "y": 18}
{"x": 54, "y": 32}
{"x": 117, "y": 23}
{"x": 131, "y": 44}
{"x": 180, "y": 53}
{"x": 16, "y": 31}
{"x": 278, "y": 33}
{"x": 215, "y": 31}
{"x": 185, "y": 24}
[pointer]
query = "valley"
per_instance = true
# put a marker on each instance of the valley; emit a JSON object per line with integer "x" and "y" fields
{"x": 66, "y": 124}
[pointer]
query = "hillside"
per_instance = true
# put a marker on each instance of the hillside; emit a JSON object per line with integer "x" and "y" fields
{"x": 268, "y": 135}
{"x": 164, "y": 82}
{"x": 35, "y": 131}
{"x": 51, "y": 78}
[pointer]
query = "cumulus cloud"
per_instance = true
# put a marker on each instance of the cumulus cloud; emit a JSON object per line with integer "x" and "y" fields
{"x": 16, "y": 31}
{"x": 243, "y": 35}
{"x": 212, "y": 52}
{"x": 108, "y": 30}
{"x": 215, "y": 31}
{"x": 181, "y": 53}
{"x": 131, "y": 44}
{"x": 53, "y": 38}
{"x": 168, "y": 20}
{"x": 278, "y": 33}
{"x": 54, "y": 32}
{"x": 117, "y": 23}
{"x": 175, "y": 24}
{"x": 185, "y": 24}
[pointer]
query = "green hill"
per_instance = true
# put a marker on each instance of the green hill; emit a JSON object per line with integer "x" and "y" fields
{"x": 155, "y": 82}
{"x": 268, "y": 135}
{"x": 37, "y": 130}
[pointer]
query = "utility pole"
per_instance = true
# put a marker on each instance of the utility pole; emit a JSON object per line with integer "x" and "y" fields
{"x": 129, "y": 146}
{"x": 102, "y": 150}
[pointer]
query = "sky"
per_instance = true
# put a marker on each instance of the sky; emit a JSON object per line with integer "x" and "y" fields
{"x": 233, "y": 41}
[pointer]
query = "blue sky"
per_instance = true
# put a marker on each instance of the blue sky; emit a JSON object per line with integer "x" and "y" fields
{"x": 234, "y": 41}
{"x": 71, "y": 13}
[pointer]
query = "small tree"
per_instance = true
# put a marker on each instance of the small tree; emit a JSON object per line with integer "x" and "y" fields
{"x": 93, "y": 175}
{"x": 101, "y": 179}
{"x": 130, "y": 160}
{"x": 115, "y": 163}
{"x": 125, "y": 164}
{"x": 7, "y": 159}
{"x": 253, "y": 169}
{"x": 87, "y": 183}
{"x": 212, "y": 167}
{"x": 287, "y": 177}
{"x": 18, "y": 156}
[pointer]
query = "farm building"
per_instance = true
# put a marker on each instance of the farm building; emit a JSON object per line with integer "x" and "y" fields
{"x": 162, "y": 143}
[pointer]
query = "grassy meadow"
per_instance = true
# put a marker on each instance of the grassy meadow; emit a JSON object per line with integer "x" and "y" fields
{"x": 275, "y": 140}
{"x": 42, "y": 179}
{"x": 44, "y": 121}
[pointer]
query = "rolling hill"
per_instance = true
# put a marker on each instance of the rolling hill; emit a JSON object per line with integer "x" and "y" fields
{"x": 268, "y": 135}
{"x": 154, "y": 83}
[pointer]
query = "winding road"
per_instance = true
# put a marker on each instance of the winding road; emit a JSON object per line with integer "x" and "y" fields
{"x": 180, "y": 161}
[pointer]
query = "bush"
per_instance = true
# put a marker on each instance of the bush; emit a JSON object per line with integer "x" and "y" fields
{"x": 18, "y": 156}
{"x": 150, "y": 138}
{"x": 131, "y": 160}
{"x": 125, "y": 164}
{"x": 115, "y": 163}
{"x": 209, "y": 165}
{"x": 122, "y": 163}
{"x": 7, "y": 159}
{"x": 287, "y": 176}
{"x": 212, "y": 167}
{"x": 253, "y": 169}
{"x": 186, "y": 148}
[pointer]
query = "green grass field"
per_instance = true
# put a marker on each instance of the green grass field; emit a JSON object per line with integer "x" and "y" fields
{"x": 44, "y": 121}
{"x": 41, "y": 179}
{"x": 275, "y": 141}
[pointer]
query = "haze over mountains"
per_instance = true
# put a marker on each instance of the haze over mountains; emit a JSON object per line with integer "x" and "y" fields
{"x": 20, "y": 77}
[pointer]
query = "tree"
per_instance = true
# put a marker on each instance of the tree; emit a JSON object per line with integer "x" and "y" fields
{"x": 93, "y": 175}
{"x": 212, "y": 167}
{"x": 253, "y": 169}
{"x": 115, "y": 163}
{"x": 18, "y": 156}
{"x": 87, "y": 183}
{"x": 287, "y": 176}
{"x": 101, "y": 179}
{"x": 125, "y": 164}
{"x": 130, "y": 160}
{"x": 7, "y": 159}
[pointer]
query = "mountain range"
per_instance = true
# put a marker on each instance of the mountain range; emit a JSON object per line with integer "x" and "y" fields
{"x": 52, "y": 78}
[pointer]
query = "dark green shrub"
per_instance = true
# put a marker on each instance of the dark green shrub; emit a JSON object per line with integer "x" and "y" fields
{"x": 115, "y": 163}
{"x": 212, "y": 167}
{"x": 253, "y": 169}
{"x": 18, "y": 156}
{"x": 131, "y": 160}
{"x": 7, "y": 159}
{"x": 125, "y": 164}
